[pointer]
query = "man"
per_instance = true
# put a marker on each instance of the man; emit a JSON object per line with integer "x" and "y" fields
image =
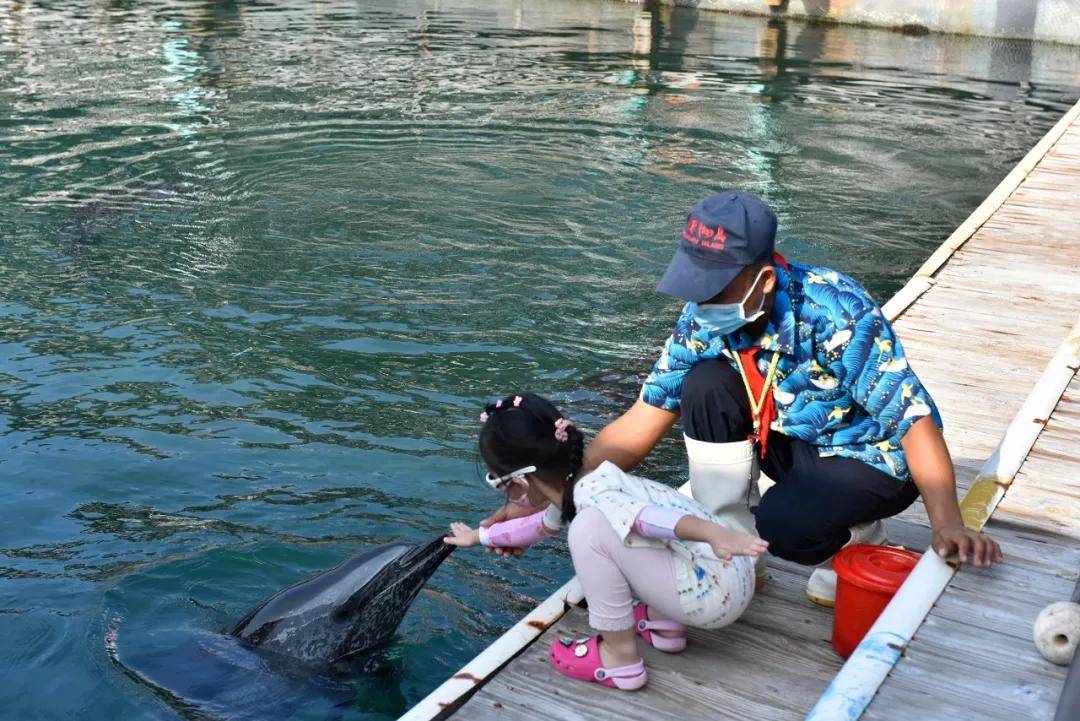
{"x": 795, "y": 370}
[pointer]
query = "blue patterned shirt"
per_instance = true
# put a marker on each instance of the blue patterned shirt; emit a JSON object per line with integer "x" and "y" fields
{"x": 842, "y": 381}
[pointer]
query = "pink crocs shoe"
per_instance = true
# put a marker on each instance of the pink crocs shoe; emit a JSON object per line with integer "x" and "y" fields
{"x": 580, "y": 659}
{"x": 644, "y": 628}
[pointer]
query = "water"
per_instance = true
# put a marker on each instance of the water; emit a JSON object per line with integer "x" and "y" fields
{"x": 262, "y": 262}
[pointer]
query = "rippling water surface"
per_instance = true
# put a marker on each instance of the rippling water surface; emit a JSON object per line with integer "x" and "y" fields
{"x": 262, "y": 262}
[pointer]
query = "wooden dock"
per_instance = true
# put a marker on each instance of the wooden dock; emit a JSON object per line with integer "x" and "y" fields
{"x": 979, "y": 322}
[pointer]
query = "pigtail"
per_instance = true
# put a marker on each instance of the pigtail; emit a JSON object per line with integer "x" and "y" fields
{"x": 576, "y": 448}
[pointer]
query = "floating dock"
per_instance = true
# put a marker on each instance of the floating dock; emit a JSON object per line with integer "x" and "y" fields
{"x": 991, "y": 323}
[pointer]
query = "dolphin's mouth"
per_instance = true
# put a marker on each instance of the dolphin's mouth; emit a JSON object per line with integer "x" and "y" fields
{"x": 436, "y": 552}
{"x": 421, "y": 560}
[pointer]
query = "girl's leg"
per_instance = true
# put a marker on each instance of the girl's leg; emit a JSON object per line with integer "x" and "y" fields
{"x": 591, "y": 540}
{"x": 611, "y": 575}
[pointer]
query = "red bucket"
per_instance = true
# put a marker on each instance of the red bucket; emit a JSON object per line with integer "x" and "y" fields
{"x": 867, "y": 577}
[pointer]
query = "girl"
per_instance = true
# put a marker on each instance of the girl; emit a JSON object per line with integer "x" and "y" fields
{"x": 629, "y": 537}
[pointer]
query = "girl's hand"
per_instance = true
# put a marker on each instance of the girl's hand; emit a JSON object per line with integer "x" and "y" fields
{"x": 727, "y": 543}
{"x": 461, "y": 535}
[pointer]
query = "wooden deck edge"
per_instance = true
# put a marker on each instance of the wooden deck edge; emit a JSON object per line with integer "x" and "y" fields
{"x": 923, "y": 279}
{"x": 457, "y": 689}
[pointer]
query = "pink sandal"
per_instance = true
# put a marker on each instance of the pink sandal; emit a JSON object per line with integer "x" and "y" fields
{"x": 644, "y": 628}
{"x": 580, "y": 659}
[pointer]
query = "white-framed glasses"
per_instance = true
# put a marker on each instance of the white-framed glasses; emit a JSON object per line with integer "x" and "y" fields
{"x": 499, "y": 483}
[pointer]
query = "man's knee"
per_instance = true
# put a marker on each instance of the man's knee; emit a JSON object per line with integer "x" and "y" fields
{"x": 795, "y": 532}
{"x": 714, "y": 406}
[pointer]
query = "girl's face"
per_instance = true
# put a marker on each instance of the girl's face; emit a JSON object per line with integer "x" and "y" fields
{"x": 515, "y": 485}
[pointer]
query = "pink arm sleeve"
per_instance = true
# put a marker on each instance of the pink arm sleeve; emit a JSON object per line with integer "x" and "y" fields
{"x": 657, "y": 522}
{"x": 515, "y": 533}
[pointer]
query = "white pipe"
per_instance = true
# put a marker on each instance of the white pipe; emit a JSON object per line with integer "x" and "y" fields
{"x": 862, "y": 675}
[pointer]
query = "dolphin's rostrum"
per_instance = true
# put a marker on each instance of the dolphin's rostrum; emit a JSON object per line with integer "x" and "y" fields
{"x": 347, "y": 611}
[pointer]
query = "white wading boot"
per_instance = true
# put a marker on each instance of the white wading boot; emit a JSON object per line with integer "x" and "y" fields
{"x": 821, "y": 588}
{"x": 723, "y": 478}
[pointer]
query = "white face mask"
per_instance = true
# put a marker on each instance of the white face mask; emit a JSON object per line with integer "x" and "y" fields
{"x": 723, "y": 318}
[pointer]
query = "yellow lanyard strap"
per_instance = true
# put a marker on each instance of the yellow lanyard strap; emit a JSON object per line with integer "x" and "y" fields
{"x": 756, "y": 407}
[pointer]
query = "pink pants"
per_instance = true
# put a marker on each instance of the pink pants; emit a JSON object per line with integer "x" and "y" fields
{"x": 612, "y": 574}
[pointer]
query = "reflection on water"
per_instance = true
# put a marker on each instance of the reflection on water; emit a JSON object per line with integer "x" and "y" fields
{"x": 262, "y": 262}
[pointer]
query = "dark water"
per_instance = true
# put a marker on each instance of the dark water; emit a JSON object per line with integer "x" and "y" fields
{"x": 261, "y": 263}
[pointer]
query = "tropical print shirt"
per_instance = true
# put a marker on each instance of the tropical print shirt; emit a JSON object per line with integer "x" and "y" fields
{"x": 842, "y": 381}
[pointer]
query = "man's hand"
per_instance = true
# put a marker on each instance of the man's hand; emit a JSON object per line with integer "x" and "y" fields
{"x": 506, "y": 513}
{"x": 961, "y": 540}
{"x": 932, "y": 471}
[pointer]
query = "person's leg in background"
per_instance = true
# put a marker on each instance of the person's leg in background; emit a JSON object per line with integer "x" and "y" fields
{"x": 714, "y": 407}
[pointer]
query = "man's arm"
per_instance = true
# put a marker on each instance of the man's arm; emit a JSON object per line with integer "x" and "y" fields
{"x": 874, "y": 367}
{"x": 628, "y": 439}
{"x": 932, "y": 471}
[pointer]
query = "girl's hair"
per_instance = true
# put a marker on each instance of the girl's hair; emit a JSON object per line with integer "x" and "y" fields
{"x": 528, "y": 430}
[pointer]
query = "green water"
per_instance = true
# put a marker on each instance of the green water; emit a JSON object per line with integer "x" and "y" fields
{"x": 262, "y": 262}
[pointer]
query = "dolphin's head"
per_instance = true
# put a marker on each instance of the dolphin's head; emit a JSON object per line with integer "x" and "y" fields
{"x": 405, "y": 568}
{"x": 348, "y": 610}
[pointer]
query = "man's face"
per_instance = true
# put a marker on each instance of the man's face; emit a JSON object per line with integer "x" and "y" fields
{"x": 756, "y": 280}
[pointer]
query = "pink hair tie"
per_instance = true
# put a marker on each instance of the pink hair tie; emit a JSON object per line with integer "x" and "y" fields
{"x": 517, "y": 401}
{"x": 483, "y": 417}
{"x": 560, "y": 430}
{"x": 498, "y": 403}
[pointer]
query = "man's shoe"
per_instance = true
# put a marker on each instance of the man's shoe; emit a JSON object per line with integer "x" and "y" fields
{"x": 821, "y": 588}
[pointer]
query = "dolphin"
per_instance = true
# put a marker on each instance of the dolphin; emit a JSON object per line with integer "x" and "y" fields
{"x": 345, "y": 612}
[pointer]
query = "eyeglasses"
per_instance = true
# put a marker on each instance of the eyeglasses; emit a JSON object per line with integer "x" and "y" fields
{"x": 499, "y": 483}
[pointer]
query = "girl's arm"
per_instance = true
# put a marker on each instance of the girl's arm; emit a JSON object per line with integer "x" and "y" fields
{"x": 515, "y": 533}
{"x": 663, "y": 522}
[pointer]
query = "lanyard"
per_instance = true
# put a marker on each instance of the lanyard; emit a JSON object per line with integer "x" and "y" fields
{"x": 757, "y": 407}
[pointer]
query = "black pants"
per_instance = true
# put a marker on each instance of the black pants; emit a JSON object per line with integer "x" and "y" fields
{"x": 805, "y": 517}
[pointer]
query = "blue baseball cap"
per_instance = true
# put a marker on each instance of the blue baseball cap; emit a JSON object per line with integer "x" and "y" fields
{"x": 724, "y": 233}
